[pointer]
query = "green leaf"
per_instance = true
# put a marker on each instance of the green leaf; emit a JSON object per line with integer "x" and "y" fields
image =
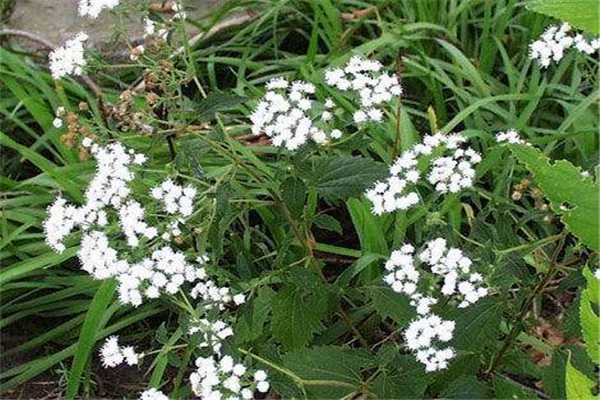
{"x": 293, "y": 192}
{"x": 341, "y": 177}
{"x": 329, "y": 371}
{"x": 343, "y": 280}
{"x": 589, "y": 320}
{"x": 368, "y": 227}
{"x": 327, "y": 222}
{"x": 297, "y": 316}
{"x": 87, "y": 337}
{"x": 505, "y": 388}
{"x": 583, "y": 14}
{"x": 44, "y": 260}
{"x": 215, "y": 102}
{"x": 466, "y": 387}
{"x": 401, "y": 377}
{"x": 250, "y": 324}
{"x": 45, "y": 165}
{"x": 391, "y": 304}
{"x": 572, "y": 196}
{"x": 578, "y": 386}
{"x": 477, "y": 326}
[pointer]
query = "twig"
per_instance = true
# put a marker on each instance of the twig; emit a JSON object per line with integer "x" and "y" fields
{"x": 228, "y": 23}
{"x": 518, "y": 321}
{"x": 357, "y": 14}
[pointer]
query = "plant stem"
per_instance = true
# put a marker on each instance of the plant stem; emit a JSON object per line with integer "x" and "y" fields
{"x": 518, "y": 325}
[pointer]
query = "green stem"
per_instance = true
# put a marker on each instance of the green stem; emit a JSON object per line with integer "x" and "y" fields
{"x": 518, "y": 325}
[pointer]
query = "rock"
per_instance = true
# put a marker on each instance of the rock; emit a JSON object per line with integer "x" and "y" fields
{"x": 58, "y": 20}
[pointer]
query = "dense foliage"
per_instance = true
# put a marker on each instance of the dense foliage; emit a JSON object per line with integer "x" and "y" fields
{"x": 300, "y": 251}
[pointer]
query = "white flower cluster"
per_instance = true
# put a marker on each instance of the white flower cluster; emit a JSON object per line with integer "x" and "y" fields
{"x": 373, "y": 86}
{"x": 108, "y": 188}
{"x": 131, "y": 218}
{"x": 93, "y": 8}
{"x": 212, "y": 332}
{"x": 224, "y": 379}
{"x": 165, "y": 270}
{"x": 454, "y": 173}
{"x": 153, "y": 394}
{"x": 449, "y": 173}
{"x": 112, "y": 354}
{"x": 283, "y": 114}
{"x": 455, "y": 268}
{"x": 555, "y": 41}
{"x": 175, "y": 198}
{"x": 215, "y": 296}
{"x": 421, "y": 336}
{"x": 510, "y": 136}
{"x": 68, "y": 59}
{"x": 426, "y": 334}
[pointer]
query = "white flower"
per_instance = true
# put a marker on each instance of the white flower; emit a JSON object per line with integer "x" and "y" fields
{"x": 286, "y": 115}
{"x": 93, "y": 8}
{"x": 449, "y": 174}
{"x": 68, "y": 59}
{"x": 57, "y": 123}
{"x": 153, "y": 394}
{"x": 219, "y": 377}
{"x": 554, "y": 42}
{"x": 112, "y": 354}
{"x": 373, "y": 87}
{"x": 175, "y": 199}
{"x": 425, "y": 334}
{"x": 510, "y": 136}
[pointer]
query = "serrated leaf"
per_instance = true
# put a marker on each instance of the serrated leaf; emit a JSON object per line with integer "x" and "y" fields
{"x": 589, "y": 320}
{"x": 583, "y": 14}
{"x": 477, "y": 326}
{"x": 577, "y": 385}
{"x": 297, "y": 316}
{"x": 341, "y": 177}
{"x": 327, "y": 222}
{"x": 391, "y": 304}
{"x": 402, "y": 376}
{"x": 293, "y": 193}
{"x": 572, "y": 196}
{"x": 508, "y": 389}
{"x": 329, "y": 371}
{"x": 467, "y": 387}
{"x": 251, "y": 322}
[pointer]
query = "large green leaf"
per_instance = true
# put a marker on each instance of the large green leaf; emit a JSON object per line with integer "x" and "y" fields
{"x": 251, "y": 321}
{"x": 583, "y": 14}
{"x": 477, "y": 326}
{"x": 341, "y": 177}
{"x": 572, "y": 196}
{"x": 329, "y": 371}
{"x": 297, "y": 316}
{"x": 578, "y": 386}
{"x": 391, "y": 304}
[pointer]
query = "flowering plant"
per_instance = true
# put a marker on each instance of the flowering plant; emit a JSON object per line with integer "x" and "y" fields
{"x": 265, "y": 209}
